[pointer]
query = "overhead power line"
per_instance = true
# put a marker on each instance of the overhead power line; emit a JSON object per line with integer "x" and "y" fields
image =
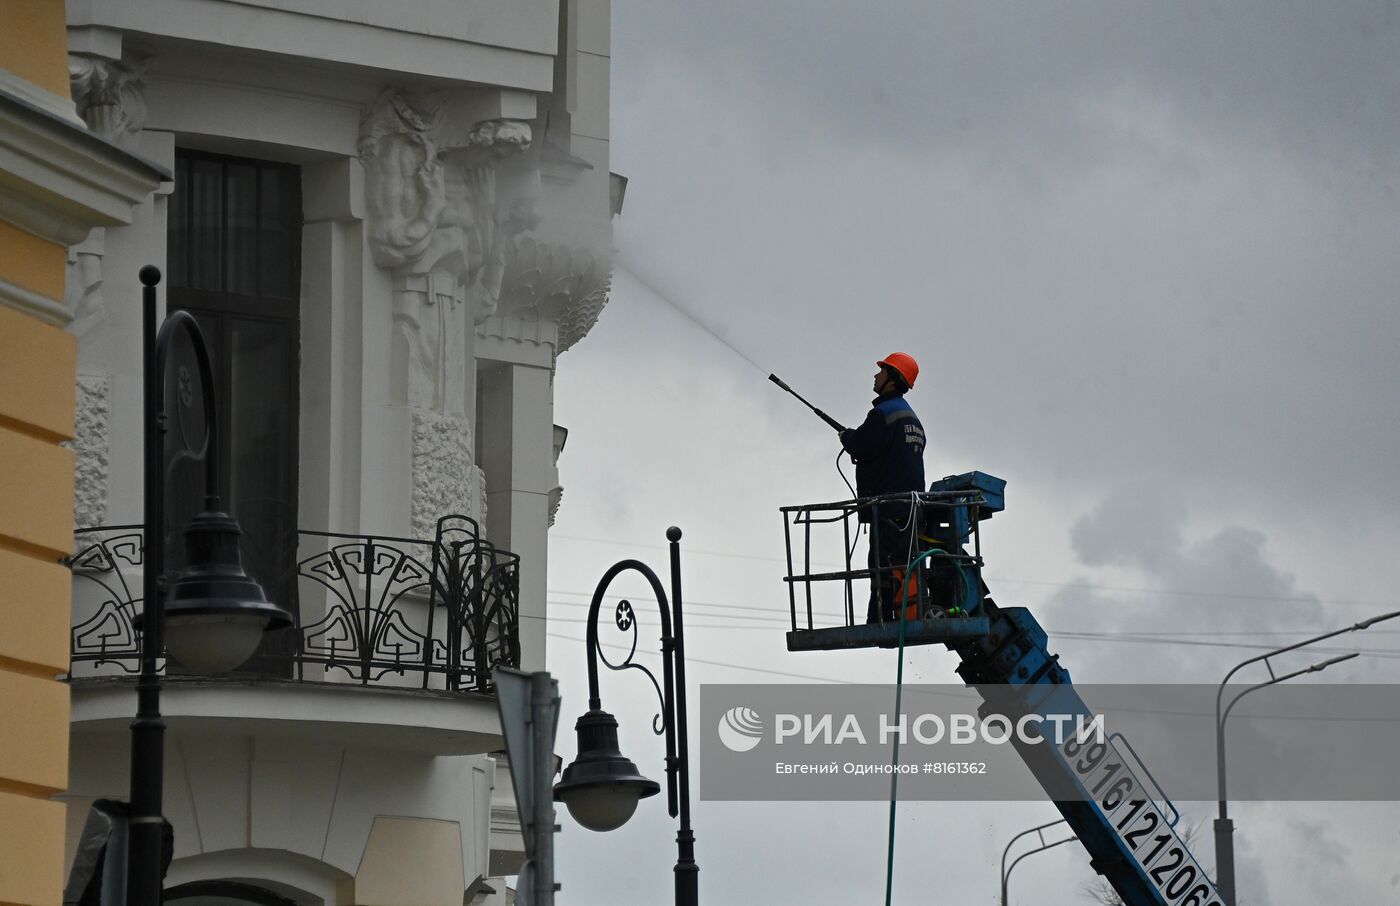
{"x": 1047, "y": 583}
{"x": 1190, "y": 640}
{"x": 776, "y": 616}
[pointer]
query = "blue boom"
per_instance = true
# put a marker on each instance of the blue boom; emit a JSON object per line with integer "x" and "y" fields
{"x": 1105, "y": 794}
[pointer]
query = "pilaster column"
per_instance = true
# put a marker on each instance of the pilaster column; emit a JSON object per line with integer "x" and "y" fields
{"x": 517, "y": 428}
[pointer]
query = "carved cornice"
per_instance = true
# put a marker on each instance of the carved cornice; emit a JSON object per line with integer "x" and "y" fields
{"x": 556, "y": 495}
{"x": 37, "y": 96}
{"x": 547, "y": 282}
{"x": 578, "y": 320}
{"x": 530, "y": 330}
{"x": 58, "y": 181}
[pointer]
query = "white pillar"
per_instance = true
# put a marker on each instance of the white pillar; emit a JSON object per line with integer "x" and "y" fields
{"x": 514, "y": 447}
{"x": 332, "y": 388}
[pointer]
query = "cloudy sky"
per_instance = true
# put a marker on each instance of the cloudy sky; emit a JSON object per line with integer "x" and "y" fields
{"x": 1147, "y": 258}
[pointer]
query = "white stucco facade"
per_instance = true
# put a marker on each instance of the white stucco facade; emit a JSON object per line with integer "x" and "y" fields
{"x": 454, "y": 239}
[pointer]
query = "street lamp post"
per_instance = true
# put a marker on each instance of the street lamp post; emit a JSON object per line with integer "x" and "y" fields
{"x": 1006, "y": 870}
{"x": 601, "y": 787}
{"x": 1223, "y": 826}
{"x": 210, "y": 617}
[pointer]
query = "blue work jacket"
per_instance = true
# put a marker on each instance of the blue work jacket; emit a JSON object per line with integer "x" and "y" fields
{"x": 888, "y": 449}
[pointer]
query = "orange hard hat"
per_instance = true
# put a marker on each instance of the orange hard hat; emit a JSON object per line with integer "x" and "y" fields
{"x": 903, "y": 364}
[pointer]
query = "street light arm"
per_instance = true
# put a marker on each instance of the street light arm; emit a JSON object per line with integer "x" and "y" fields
{"x": 622, "y": 566}
{"x": 1315, "y": 668}
{"x": 1006, "y": 878}
{"x": 668, "y": 684}
{"x": 1040, "y": 827}
{"x": 1367, "y": 624}
{"x": 1220, "y": 692}
{"x": 1224, "y": 851}
{"x": 1355, "y": 627}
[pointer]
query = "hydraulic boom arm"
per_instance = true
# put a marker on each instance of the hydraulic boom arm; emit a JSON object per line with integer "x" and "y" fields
{"x": 1103, "y": 791}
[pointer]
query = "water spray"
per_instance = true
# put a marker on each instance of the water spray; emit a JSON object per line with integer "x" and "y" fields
{"x": 835, "y": 425}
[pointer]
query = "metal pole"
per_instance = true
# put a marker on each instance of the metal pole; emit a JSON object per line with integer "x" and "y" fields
{"x": 1225, "y": 858}
{"x": 687, "y": 872}
{"x": 1223, "y": 826}
{"x": 148, "y": 729}
{"x": 543, "y": 704}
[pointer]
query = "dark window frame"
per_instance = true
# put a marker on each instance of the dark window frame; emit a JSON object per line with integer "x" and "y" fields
{"x": 221, "y": 311}
{"x": 221, "y": 303}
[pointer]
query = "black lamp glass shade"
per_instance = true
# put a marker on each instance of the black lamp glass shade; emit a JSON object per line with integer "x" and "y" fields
{"x": 215, "y": 613}
{"x": 601, "y": 787}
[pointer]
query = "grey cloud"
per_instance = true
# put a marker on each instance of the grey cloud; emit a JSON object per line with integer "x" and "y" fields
{"x": 1142, "y": 527}
{"x": 1223, "y": 326}
{"x": 1223, "y": 579}
{"x": 1322, "y": 839}
{"x": 1138, "y": 527}
{"x": 1003, "y": 77}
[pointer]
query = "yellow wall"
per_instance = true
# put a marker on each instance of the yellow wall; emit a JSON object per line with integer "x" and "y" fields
{"x": 37, "y": 363}
{"x": 28, "y": 261}
{"x": 34, "y": 42}
{"x": 36, "y": 505}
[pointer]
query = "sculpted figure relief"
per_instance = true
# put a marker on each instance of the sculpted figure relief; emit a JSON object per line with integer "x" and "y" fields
{"x": 404, "y": 179}
{"x": 475, "y": 227}
{"x": 437, "y": 221}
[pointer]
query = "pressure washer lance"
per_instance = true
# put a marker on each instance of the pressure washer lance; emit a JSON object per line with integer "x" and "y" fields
{"x": 837, "y": 426}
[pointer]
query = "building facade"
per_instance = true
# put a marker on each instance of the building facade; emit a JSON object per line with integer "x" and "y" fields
{"x": 388, "y": 221}
{"x": 57, "y": 182}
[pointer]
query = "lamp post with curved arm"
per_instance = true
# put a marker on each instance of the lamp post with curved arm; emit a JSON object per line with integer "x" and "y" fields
{"x": 209, "y": 618}
{"x": 601, "y": 787}
{"x": 1006, "y": 870}
{"x": 1223, "y": 826}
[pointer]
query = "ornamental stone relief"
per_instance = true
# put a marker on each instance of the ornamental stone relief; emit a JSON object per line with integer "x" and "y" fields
{"x": 110, "y": 96}
{"x": 546, "y": 282}
{"x": 90, "y": 449}
{"x": 82, "y": 289}
{"x": 556, "y": 496}
{"x": 447, "y": 206}
{"x": 443, "y": 209}
{"x": 431, "y": 324}
{"x": 445, "y": 479}
{"x": 441, "y": 213}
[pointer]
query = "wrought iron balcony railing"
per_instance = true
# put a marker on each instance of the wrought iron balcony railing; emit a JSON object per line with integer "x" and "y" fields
{"x": 431, "y": 614}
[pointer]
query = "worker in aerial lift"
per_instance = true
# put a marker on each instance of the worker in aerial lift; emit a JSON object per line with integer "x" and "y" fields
{"x": 888, "y": 450}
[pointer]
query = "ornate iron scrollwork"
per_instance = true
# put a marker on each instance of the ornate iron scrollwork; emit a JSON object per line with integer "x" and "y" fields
{"x": 625, "y": 618}
{"x": 443, "y": 612}
{"x": 107, "y": 558}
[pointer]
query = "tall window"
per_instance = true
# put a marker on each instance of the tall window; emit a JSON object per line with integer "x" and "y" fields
{"x": 234, "y": 263}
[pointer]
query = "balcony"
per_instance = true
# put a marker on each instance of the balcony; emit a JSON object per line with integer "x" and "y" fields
{"x": 433, "y": 615}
